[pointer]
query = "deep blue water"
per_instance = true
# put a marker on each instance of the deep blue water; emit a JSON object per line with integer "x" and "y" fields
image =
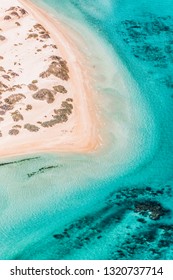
{"x": 98, "y": 207}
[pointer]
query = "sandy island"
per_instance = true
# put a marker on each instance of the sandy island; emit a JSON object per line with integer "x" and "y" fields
{"x": 45, "y": 97}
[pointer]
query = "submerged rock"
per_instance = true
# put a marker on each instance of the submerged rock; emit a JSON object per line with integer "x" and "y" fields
{"x": 153, "y": 208}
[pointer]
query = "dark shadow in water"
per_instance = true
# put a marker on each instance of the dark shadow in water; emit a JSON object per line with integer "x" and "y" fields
{"x": 18, "y": 161}
{"x": 150, "y": 40}
{"x": 41, "y": 170}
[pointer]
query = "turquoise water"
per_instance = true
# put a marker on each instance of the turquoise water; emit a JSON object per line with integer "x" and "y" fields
{"x": 115, "y": 203}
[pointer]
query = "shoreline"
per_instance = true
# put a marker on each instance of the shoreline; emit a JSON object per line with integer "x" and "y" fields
{"x": 85, "y": 136}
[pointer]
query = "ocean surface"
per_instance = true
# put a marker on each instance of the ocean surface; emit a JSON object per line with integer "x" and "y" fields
{"x": 116, "y": 202}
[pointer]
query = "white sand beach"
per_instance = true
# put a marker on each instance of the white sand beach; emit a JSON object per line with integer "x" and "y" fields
{"x": 45, "y": 96}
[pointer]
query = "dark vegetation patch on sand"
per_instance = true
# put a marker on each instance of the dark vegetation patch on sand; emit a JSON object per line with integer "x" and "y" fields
{"x": 14, "y": 12}
{"x": 3, "y": 87}
{"x": 2, "y": 69}
{"x": 6, "y": 107}
{"x": 17, "y": 23}
{"x": 14, "y": 98}
{"x": 57, "y": 68}
{"x": 61, "y": 115}
{"x": 41, "y": 32}
{"x": 33, "y": 35}
{"x": 6, "y": 77}
{"x": 13, "y": 74}
{"x": 32, "y": 87}
{"x": 28, "y": 107}
{"x": 31, "y": 127}
{"x": 39, "y": 27}
{"x": 7, "y": 18}
{"x": 16, "y": 116}
{"x": 60, "y": 89}
{"x": 17, "y": 126}
{"x": 44, "y": 94}
{"x": 13, "y": 131}
{"x": 45, "y": 35}
{"x": 69, "y": 100}
{"x": 2, "y": 38}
